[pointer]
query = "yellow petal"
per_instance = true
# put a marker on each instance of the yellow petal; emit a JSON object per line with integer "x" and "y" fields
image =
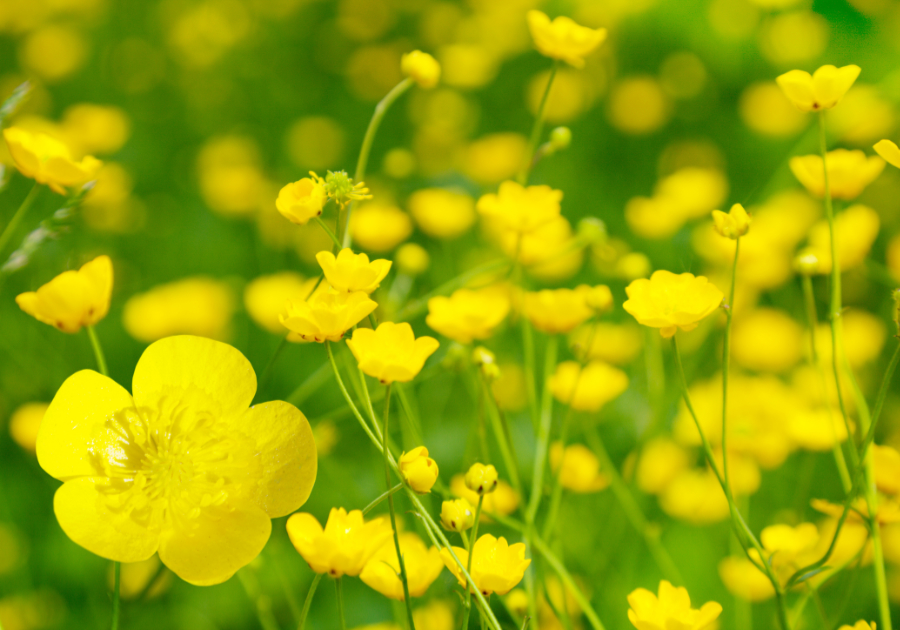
{"x": 797, "y": 86}
{"x": 829, "y": 84}
{"x": 79, "y": 411}
{"x": 889, "y": 151}
{"x": 195, "y": 368}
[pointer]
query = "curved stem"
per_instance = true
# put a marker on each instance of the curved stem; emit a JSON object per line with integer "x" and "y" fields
{"x": 308, "y": 601}
{"x": 334, "y": 239}
{"x": 471, "y": 550}
{"x": 543, "y": 438}
{"x": 16, "y": 219}
{"x": 570, "y": 585}
{"x": 537, "y": 129}
{"x": 726, "y": 360}
{"x": 380, "y": 498}
{"x": 98, "y": 351}
{"x": 339, "y": 592}
{"x": 501, "y": 432}
{"x": 117, "y": 570}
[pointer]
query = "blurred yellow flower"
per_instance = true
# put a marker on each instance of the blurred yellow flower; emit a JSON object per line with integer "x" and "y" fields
{"x": 509, "y": 387}
{"x": 887, "y": 469}
{"x": 859, "y": 625}
{"x": 822, "y": 90}
{"x": 423, "y": 565}
{"x": 767, "y": 340}
{"x": 418, "y": 470}
{"x": 638, "y": 105}
{"x": 494, "y": 157}
{"x": 671, "y": 609}
{"x": 577, "y": 468}
{"x": 519, "y": 208}
{"x": 562, "y": 38}
{"x": 421, "y": 68}
{"x": 457, "y": 515}
{"x": 302, "y": 200}
{"x": 197, "y": 306}
{"x": 866, "y": 114}
{"x": 344, "y": 546}
{"x": 231, "y": 178}
{"x": 481, "y": 479}
{"x": 855, "y": 230}
{"x": 503, "y": 500}
{"x": 53, "y": 52}
{"x": 557, "y": 310}
{"x": 189, "y": 412}
{"x": 661, "y": 460}
{"x": 442, "y": 213}
{"x": 695, "y": 496}
{"x": 889, "y": 151}
{"x": 25, "y": 423}
{"x": 653, "y": 217}
{"x": 496, "y": 565}
{"x": 732, "y": 225}
{"x": 326, "y": 435}
{"x": 668, "y": 301}
{"x": 90, "y": 128}
{"x": 468, "y": 314}
{"x": 849, "y": 172}
{"x": 864, "y": 337}
{"x": 73, "y": 298}
{"x": 618, "y": 344}
{"x": 47, "y": 160}
{"x": 588, "y": 388}
{"x": 767, "y": 111}
{"x": 379, "y": 228}
{"x": 391, "y": 352}
{"x": 327, "y": 314}
{"x": 265, "y": 297}
{"x": 137, "y": 576}
{"x": 693, "y": 191}
{"x": 744, "y": 580}
{"x": 352, "y": 272}
{"x": 435, "y": 615}
{"x": 412, "y": 259}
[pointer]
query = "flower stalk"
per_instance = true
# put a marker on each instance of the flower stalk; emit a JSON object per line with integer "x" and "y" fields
{"x": 16, "y": 219}
{"x": 308, "y": 601}
{"x": 537, "y": 129}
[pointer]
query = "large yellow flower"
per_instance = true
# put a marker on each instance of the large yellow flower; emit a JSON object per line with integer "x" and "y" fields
{"x": 423, "y": 566}
{"x": 519, "y": 208}
{"x": 497, "y": 566}
{"x": 391, "y": 353}
{"x": 174, "y": 467}
{"x": 670, "y": 610}
{"x": 73, "y": 298}
{"x": 344, "y": 546}
{"x": 352, "y": 272}
{"x": 671, "y": 301}
{"x": 47, "y": 160}
{"x": 821, "y": 90}
{"x": 468, "y": 314}
{"x": 563, "y": 38}
{"x": 327, "y": 314}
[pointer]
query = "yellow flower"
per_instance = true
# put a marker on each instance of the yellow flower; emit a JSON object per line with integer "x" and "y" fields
{"x": 302, "y": 200}
{"x": 73, "y": 298}
{"x": 421, "y": 68}
{"x": 767, "y": 340}
{"x": 47, "y": 160}
{"x": 264, "y": 297}
{"x": 423, "y": 565}
{"x": 391, "y": 352}
{"x": 859, "y": 625}
{"x": 855, "y": 230}
{"x": 93, "y": 128}
{"x": 887, "y": 469}
{"x": 327, "y": 314}
{"x": 822, "y": 90}
{"x": 577, "y": 468}
{"x": 503, "y": 500}
{"x": 378, "y": 227}
{"x": 344, "y": 546}
{"x": 412, "y": 259}
{"x": 174, "y": 468}
{"x": 481, "y": 479}
{"x": 849, "y": 172}
{"x": 563, "y": 38}
{"x": 732, "y": 225}
{"x": 668, "y": 301}
{"x": 435, "y": 615}
{"x": 695, "y": 496}
{"x": 744, "y": 580}
{"x": 661, "y": 461}
{"x": 197, "y": 306}
{"x": 418, "y": 470}
{"x": 457, "y": 515}
{"x": 519, "y": 208}
{"x": 468, "y": 314}
{"x": 442, "y": 213}
{"x": 670, "y": 610}
{"x": 588, "y": 388}
{"x": 614, "y": 343}
{"x": 497, "y": 566}
{"x": 889, "y": 151}
{"x": 557, "y": 310}
{"x": 353, "y": 272}
{"x": 25, "y": 423}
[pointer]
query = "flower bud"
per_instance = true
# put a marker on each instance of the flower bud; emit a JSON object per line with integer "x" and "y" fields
{"x": 486, "y": 361}
{"x": 734, "y": 224}
{"x": 599, "y": 299}
{"x": 421, "y": 68}
{"x": 481, "y": 479}
{"x": 560, "y": 138}
{"x": 418, "y": 470}
{"x": 412, "y": 259}
{"x": 806, "y": 262}
{"x": 591, "y": 230}
{"x": 457, "y": 515}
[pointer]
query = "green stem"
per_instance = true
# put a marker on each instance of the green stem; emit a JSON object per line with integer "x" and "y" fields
{"x": 471, "y": 550}
{"x": 543, "y": 438}
{"x": 16, "y": 219}
{"x": 308, "y": 601}
{"x": 337, "y": 375}
{"x": 381, "y": 497}
{"x": 500, "y": 432}
{"x": 530, "y": 387}
{"x": 726, "y": 360}
{"x": 537, "y": 129}
{"x": 334, "y": 239}
{"x": 569, "y": 584}
{"x": 380, "y": 110}
{"x": 339, "y": 592}
{"x": 267, "y": 371}
{"x": 98, "y": 351}
{"x": 117, "y": 571}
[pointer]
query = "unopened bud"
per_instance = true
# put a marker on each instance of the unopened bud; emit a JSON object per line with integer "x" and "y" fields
{"x": 481, "y": 479}
{"x": 560, "y": 138}
{"x": 806, "y": 262}
{"x": 591, "y": 230}
{"x": 732, "y": 225}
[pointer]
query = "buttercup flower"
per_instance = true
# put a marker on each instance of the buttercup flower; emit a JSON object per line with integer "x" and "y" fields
{"x": 418, "y": 470}
{"x": 344, "y": 546}
{"x": 588, "y": 388}
{"x": 25, "y": 424}
{"x": 519, "y": 208}
{"x": 412, "y": 259}
{"x": 732, "y": 225}
{"x": 196, "y": 306}
{"x": 557, "y": 310}
{"x": 670, "y": 610}
{"x": 503, "y": 500}
{"x": 577, "y": 467}
{"x": 497, "y": 566}
{"x": 302, "y": 200}
{"x": 47, "y": 160}
{"x": 563, "y": 38}
{"x": 457, "y": 515}
{"x": 423, "y": 565}
{"x": 442, "y": 213}
{"x": 822, "y": 90}
{"x": 378, "y": 227}
{"x": 327, "y": 314}
{"x": 671, "y": 301}
{"x": 849, "y": 172}
{"x": 353, "y": 272}
{"x": 73, "y": 298}
{"x": 421, "y": 68}
{"x": 859, "y": 625}
{"x": 264, "y": 297}
{"x": 172, "y": 467}
{"x": 481, "y": 479}
{"x": 889, "y": 151}
{"x": 391, "y": 352}
{"x": 855, "y": 230}
{"x": 468, "y": 314}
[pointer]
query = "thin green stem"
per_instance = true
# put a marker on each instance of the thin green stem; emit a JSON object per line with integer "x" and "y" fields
{"x": 530, "y": 387}
{"x": 98, "y": 351}
{"x": 537, "y": 129}
{"x": 381, "y": 497}
{"x": 324, "y": 226}
{"x": 471, "y": 549}
{"x": 267, "y": 371}
{"x": 309, "y": 598}
{"x": 343, "y": 388}
{"x": 339, "y": 593}
{"x": 543, "y": 437}
{"x": 117, "y": 572}
{"x": 501, "y": 434}
{"x": 569, "y": 583}
{"x": 726, "y": 359}
{"x": 16, "y": 219}
{"x": 362, "y": 162}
